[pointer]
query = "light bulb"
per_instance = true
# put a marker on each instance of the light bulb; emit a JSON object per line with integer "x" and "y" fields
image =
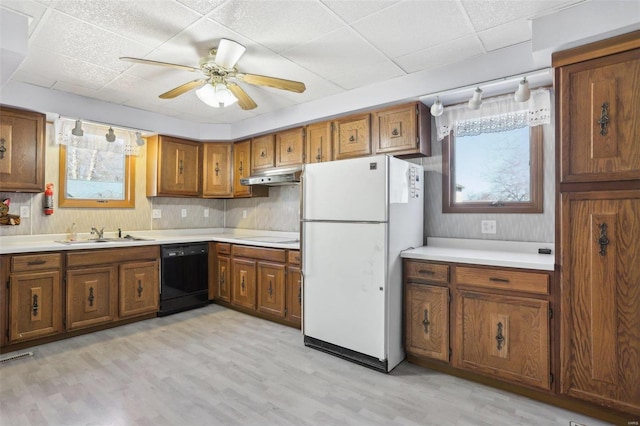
{"x": 476, "y": 99}
{"x": 437, "y": 109}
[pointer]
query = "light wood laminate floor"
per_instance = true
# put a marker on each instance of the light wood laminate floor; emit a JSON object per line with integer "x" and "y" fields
{"x": 214, "y": 366}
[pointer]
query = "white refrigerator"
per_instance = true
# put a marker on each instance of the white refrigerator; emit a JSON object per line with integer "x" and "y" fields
{"x": 357, "y": 216}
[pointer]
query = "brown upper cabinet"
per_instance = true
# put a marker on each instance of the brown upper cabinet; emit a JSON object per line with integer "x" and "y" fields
{"x": 319, "y": 144}
{"x": 598, "y": 118}
{"x": 263, "y": 152}
{"x": 216, "y": 170}
{"x": 242, "y": 168}
{"x": 173, "y": 167}
{"x": 290, "y": 147}
{"x": 21, "y": 150}
{"x": 403, "y": 130}
{"x": 352, "y": 136}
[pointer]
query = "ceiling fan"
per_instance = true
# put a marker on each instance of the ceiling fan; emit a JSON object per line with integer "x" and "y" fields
{"x": 220, "y": 77}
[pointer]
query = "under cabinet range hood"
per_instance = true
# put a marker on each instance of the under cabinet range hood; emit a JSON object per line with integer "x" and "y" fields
{"x": 274, "y": 177}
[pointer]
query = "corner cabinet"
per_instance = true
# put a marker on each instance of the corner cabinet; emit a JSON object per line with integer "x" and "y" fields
{"x": 597, "y": 114}
{"x": 403, "y": 131}
{"x": 173, "y": 167}
{"x": 216, "y": 170}
{"x": 22, "y": 150}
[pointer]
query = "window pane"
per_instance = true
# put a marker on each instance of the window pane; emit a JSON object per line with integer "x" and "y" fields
{"x": 94, "y": 174}
{"x": 493, "y": 167}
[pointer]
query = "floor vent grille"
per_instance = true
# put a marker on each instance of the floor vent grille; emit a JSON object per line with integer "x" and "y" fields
{"x": 16, "y": 356}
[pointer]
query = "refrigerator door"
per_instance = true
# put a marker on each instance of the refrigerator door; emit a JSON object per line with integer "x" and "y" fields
{"x": 344, "y": 268}
{"x": 346, "y": 190}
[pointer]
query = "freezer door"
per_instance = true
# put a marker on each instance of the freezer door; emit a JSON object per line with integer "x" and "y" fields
{"x": 346, "y": 190}
{"x": 344, "y": 267}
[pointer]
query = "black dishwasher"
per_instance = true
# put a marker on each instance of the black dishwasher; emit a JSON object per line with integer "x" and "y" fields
{"x": 184, "y": 282}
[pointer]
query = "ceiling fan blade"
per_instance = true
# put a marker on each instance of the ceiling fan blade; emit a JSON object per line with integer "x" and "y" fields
{"x": 184, "y": 88}
{"x": 228, "y": 53}
{"x": 277, "y": 83}
{"x": 163, "y": 64}
{"x": 244, "y": 100}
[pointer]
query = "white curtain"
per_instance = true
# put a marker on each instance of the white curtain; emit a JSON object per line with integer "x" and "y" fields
{"x": 499, "y": 113}
{"x": 94, "y": 137}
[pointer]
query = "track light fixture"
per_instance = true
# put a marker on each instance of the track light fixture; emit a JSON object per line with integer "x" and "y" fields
{"x": 437, "y": 109}
{"x": 110, "y": 136}
{"x": 476, "y": 100}
{"x": 523, "y": 93}
{"x": 139, "y": 140}
{"x": 77, "y": 131}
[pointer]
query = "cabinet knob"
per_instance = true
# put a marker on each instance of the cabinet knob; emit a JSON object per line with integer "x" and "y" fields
{"x": 140, "y": 288}
{"x": 240, "y": 168}
{"x": 603, "y": 121}
{"x": 319, "y": 155}
{"x": 34, "y": 305}
{"x": 263, "y": 154}
{"x": 289, "y": 150}
{"x": 395, "y": 132}
{"x": 425, "y": 321}
{"x": 91, "y": 297}
{"x": 217, "y": 169}
{"x": 181, "y": 166}
{"x": 352, "y": 138}
{"x": 603, "y": 240}
{"x": 270, "y": 289}
{"x": 242, "y": 284}
{"x": 3, "y": 148}
{"x": 222, "y": 280}
{"x": 499, "y": 337}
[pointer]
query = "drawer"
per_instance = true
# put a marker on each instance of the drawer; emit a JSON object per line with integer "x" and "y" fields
{"x": 274, "y": 255}
{"x": 82, "y": 258}
{"x": 432, "y": 272}
{"x": 35, "y": 262}
{"x": 223, "y": 248}
{"x": 528, "y": 282}
{"x": 293, "y": 257}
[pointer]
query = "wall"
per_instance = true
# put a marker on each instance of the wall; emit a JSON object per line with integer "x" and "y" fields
{"x": 277, "y": 212}
{"x": 510, "y": 227}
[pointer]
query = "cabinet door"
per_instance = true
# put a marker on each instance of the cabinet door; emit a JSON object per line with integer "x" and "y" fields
{"x": 271, "y": 289}
{"x": 352, "y": 137}
{"x": 139, "y": 288}
{"x": 241, "y": 167}
{"x": 216, "y": 170}
{"x": 21, "y": 150}
{"x": 35, "y": 303}
{"x": 243, "y": 292}
{"x": 319, "y": 144}
{"x": 294, "y": 295}
{"x": 427, "y": 321}
{"x": 289, "y": 147}
{"x": 179, "y": 169}
{"x": 504, "y": 337}
{"x": 599, "y": 108}
{"x": 601, "y": 298}
{"x": 263, "y": 152}
{"x": 224, "y": 279}
{"x": 395, "y": 130}
{"x": 91, "y": 297}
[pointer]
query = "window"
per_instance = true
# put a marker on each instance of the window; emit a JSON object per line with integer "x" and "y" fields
{"x": 492, "y": 157}
{"x": 94, "y": 172}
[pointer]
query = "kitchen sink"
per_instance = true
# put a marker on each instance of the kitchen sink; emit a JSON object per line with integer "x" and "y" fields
{"x": 127, "y": 238}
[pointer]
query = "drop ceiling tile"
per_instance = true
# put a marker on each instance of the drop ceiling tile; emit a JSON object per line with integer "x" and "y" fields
{"x": 37, "y": 79}
{"x": 504, "y": 35}
{"x": 413, "y": 25}
{"x": 375, "y": 73}
{"x": 34, "y": 10}
{"x": 486, "y": 14}
{"x": 150, "y": 22}
{"x": 63, "y": 68}
{"x": 277, "y": 25}
{"x": 202, "y": 6}
{"x": 442, "y": 54}
{"x": 70, "y": 37}
{"x": 329, "y": 55}
{"x": 351, "y": 11}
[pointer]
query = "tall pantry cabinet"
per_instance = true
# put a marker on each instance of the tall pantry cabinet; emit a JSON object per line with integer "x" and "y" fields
{"x": 598, "y": 170}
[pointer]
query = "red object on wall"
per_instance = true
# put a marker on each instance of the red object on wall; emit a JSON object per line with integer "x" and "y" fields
{"x": 48, "y": 199}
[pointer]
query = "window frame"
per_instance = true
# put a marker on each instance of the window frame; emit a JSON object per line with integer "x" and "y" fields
{"x": 129, "y": 200}
{"x": 535, "y": 205}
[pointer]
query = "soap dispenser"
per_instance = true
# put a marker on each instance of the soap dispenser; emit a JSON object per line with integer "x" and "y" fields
{"x": 73, "y": 235}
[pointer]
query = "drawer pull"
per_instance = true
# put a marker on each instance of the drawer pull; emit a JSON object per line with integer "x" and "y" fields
{"x": 242, "y": 284}
{"x": 300, "y": 294}
{"x": 425, "y": 322}
{"x": 222, "y": 280}
{"x": 36, "y": 262}
{"x": 604, "y": 119}
{"x": 270, "y": 289}
{"x": 140, "y": 288}
{"x": 426, "y": 272}
{"x": 499, "y": 280}
{"x": 603, "y": 240}
{"x": 499, "y": 337}
{"x": 34, "y": 306}
{"x": 91, "y": 297}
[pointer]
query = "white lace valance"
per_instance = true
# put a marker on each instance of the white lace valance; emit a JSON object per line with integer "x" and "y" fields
{"x": 94, "y": 137}
{"x": 497, "y": 114}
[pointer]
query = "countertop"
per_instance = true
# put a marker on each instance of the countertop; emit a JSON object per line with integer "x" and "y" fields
{"x": 511, "y": 254}
{"x": 56, "y": 242}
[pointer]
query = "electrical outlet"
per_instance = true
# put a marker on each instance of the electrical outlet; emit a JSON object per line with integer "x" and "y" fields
{"x": 24, "y": 211}
{"x": 206, "y": 212}
{"x": 488, "y": 226}
{"x": 183, "y": 213}
{"x": 244, "y": 214}
{"x": 572, "y": 423}
{"x": 156, "y": 214}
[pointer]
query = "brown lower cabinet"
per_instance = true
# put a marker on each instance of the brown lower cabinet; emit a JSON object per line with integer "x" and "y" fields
{"x": 256, "y": 280}
{"x": 427, "y": 320}
{"x": 91, "y": 294}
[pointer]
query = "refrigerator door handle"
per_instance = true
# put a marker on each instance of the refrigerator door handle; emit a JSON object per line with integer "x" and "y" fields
{"x": 366, "y": 222}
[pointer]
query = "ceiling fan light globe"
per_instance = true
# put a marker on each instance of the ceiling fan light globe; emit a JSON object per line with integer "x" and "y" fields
{"x": 224, "y": 95}
{"x": 228, "y": 53}
{"x": 207, "y": 94}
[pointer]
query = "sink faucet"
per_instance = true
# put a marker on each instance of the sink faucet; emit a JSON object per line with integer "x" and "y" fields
{"x": 100, "y": 233}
